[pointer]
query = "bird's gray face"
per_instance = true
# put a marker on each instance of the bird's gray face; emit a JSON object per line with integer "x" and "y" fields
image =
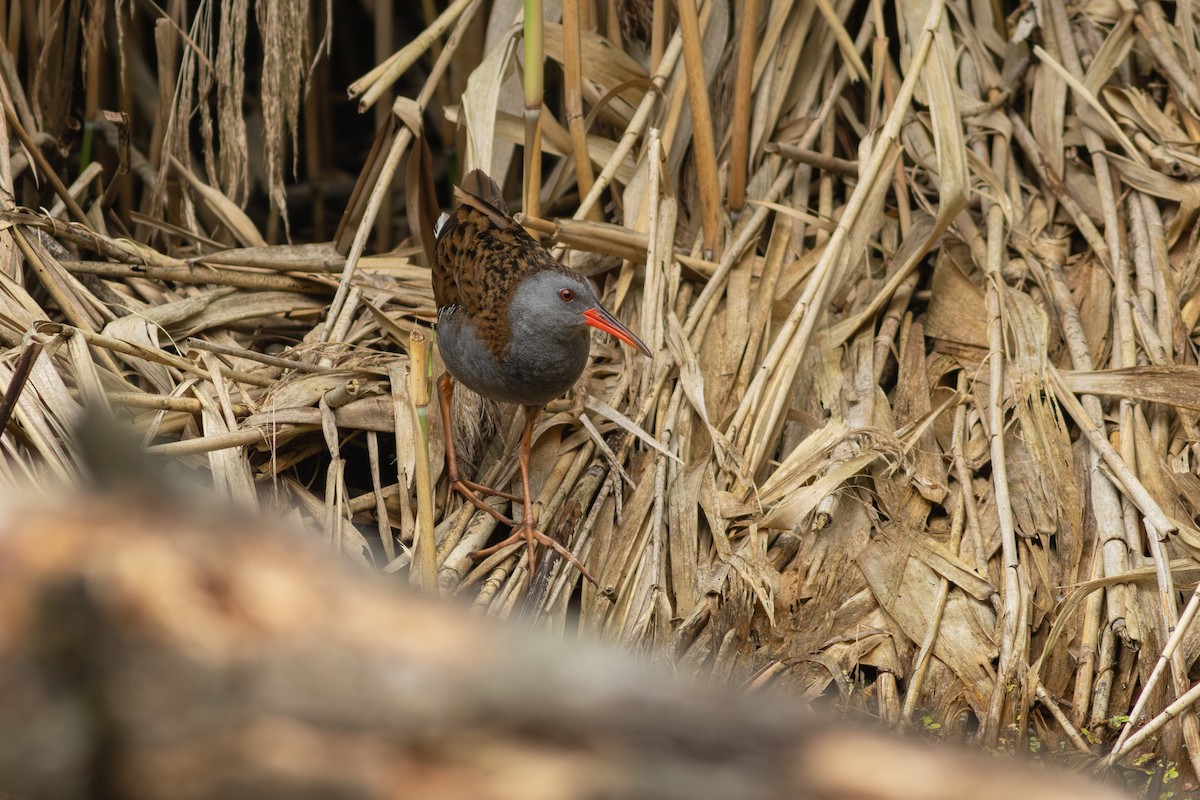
{"x": 551, "y": 304}
{"x": 556, "y": 306}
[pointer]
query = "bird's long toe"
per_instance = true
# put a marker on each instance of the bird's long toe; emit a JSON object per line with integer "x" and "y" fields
{"x": 479, "y": 488}
{"x": 531, "y": 536}
{"x": 467, "y": 490}
{"x": 562, "y": 551}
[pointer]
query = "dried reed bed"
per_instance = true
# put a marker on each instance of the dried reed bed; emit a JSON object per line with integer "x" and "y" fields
{"x": 919, "y": 436}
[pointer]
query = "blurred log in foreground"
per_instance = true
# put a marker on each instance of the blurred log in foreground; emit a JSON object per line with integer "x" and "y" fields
{"x": 144, "y": 654}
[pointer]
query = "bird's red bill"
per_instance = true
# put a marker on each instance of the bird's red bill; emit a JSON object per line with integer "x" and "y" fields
{"x": 599, "y": 318}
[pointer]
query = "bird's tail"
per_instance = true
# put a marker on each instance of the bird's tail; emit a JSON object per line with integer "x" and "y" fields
{"x": 480, "y": 185}
{"x": 481, "y": 193}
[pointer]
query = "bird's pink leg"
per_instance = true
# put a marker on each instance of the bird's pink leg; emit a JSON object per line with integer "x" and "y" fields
{"x": 466, "y": 488}
{"x": 525, "y": 531}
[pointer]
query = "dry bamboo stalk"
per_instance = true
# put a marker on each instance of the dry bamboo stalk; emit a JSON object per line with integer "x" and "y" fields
{"x": 1075, "y": 736}
{"x": 91, "y": 240}
{"x": 825, "y": 184}
{"x": 533, "y": 87}
{"x": 702, "y": 129}
{"x": 653, "y": 289}
{"x": 162, "y": 402}
{"x": 240, "y": 352}
{"x": 162, "y": 357}
{"x": 1165, "y": 297}
{"x": 1014, "y": 597}
{"x": 382, "y": 521}
{"x": 614, "y": 24}
{"x": 740, "y": 146}
{"x": 1129, "y": 483}
{"x": 210, "y": 443}
{"x": 573, "y": 80}
{"x": 845, "y": 45}
{"x": 610, "y": 239}
{"x": 777, "y": 252}
{"x": 80, "y": 185}
{"x": 1103, "y": 683}
{"x": 814, "y": 158}
{"x": 16, "y": 385}
{"x": 424, "y": 545}
{"x": 198, "y": 274}
{"x": 372, "y": 85}
{"x": 658, "y": 34}
{"x": 1085, "y": 671}
{"x": 1173, "y": 711}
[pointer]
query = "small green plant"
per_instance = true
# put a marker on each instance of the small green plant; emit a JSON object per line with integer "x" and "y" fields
{"x": 1159, "y": 775}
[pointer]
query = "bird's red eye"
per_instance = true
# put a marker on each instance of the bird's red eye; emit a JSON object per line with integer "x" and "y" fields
{"x": 567, "y": 295}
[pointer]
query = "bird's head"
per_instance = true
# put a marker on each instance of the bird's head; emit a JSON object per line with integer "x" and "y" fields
{"x": 553, "y": 303}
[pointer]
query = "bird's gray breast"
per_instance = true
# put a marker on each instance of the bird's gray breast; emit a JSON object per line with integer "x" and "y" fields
{"x": 533, "y": 370}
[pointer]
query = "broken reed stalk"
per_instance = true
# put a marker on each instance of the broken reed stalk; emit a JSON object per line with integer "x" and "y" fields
{"x": 370, "y": 87}
{"x": 424, "y": 572}
{"x": 533, "y": 85}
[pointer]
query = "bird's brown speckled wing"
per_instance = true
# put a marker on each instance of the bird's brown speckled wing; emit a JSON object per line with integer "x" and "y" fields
{"x": 481, "y": 256}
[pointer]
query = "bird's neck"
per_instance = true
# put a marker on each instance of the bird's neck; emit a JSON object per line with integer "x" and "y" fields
{"x": 532, "y": 330}
{"x": 532, "y": 342}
